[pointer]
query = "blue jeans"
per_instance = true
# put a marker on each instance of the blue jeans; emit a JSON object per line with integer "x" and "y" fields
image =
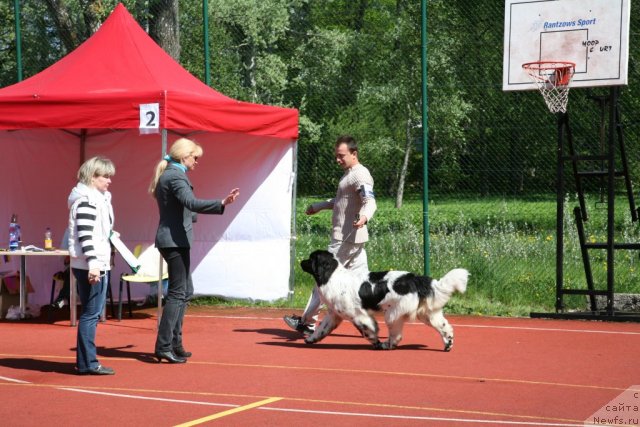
{"x": 178, "y": 295}
{"x": 93, "y": 298}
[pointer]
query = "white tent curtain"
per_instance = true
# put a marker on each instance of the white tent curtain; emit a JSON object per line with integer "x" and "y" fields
{"x": 244, "y": 253}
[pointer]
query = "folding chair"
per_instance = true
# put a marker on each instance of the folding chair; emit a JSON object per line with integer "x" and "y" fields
{"x": 146, "y": 274}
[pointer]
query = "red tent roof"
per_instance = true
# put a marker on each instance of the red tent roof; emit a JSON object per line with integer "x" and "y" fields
{"x": 102, "y": 83}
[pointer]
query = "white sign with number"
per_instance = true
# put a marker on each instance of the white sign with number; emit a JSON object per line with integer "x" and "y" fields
{"x": 149, "y": 118}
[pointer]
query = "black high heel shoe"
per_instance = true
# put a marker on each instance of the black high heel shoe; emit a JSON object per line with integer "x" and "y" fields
{"x": 169, "y": 356}
{"x": 181, "y": 352}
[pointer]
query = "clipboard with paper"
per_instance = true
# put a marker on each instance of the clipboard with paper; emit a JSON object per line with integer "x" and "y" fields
{"x": 124, "y": 252}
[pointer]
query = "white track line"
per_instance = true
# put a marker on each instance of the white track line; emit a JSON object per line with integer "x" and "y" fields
{"x": 408, "y": 417}
{"x": 13, "y": 380}
{"x": 338, "y": 413}
{"x": 460, "y": 325}
{"x": 522, "y": 328}
{"x": 160, "y": 399}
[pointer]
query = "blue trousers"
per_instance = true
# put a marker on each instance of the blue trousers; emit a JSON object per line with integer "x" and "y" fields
{"x": 178, "y": 295}
{"x": 93, "y": 298}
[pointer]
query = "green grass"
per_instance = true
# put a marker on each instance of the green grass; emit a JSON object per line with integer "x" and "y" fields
{"x": 508, "y": 245}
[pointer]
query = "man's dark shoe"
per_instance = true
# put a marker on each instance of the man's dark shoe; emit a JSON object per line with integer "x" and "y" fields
{"x": 295, "y": 323}
{"x": 100, "y": 370}
{"x": 181, "y": 352}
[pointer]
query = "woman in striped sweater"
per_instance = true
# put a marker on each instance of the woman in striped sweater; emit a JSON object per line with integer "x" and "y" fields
{"x": 90, "y": 224}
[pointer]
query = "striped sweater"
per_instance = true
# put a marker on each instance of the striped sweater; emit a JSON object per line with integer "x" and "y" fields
{"x": 90, "y": 225}
{"x": 354, "y": 197}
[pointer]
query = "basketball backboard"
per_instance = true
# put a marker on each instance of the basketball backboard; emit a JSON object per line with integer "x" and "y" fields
{"x": 594, "y": 34}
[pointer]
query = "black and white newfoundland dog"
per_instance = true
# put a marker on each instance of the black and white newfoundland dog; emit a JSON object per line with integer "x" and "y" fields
{"x": 400, "y": 295}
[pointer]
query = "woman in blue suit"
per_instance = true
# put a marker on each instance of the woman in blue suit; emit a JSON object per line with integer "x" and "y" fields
{"x": 177, "y": 206}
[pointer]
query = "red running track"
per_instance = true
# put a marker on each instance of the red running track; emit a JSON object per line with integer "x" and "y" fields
{"x": 249, "y": 369}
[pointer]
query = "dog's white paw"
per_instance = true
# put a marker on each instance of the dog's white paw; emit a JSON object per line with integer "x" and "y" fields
{"x": 448, "y": 344}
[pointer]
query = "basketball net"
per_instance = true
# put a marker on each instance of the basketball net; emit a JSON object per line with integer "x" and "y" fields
{"x": 552, "y": 79}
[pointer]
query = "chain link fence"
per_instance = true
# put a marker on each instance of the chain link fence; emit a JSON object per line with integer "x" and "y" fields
{"x": 354, "y": 66}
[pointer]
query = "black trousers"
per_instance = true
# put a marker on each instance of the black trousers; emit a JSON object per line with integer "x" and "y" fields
{"x": 178, "y": 295}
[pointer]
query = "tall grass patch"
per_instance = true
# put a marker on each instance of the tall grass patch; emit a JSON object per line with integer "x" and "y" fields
{"x": 508, "y": 245}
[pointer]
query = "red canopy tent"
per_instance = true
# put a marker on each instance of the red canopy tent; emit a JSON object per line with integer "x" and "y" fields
{"x": 120, "y": 95}
{"x": 101, "y": 84}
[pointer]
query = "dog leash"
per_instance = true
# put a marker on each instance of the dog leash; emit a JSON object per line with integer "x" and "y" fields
{"x": 344, "y": 240}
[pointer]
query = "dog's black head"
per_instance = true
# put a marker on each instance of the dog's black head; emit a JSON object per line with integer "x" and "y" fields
{"x": 321, "y": 265}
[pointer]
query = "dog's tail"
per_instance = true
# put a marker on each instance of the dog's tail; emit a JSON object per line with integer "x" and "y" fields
{"x": 455, "y": 280}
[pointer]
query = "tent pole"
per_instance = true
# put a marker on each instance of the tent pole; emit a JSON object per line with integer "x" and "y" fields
{"x": 164, "y": 143}
{"x": 83, "y": 145}
{"x": 160, "y": 260}
{"x": 294, "y": 238}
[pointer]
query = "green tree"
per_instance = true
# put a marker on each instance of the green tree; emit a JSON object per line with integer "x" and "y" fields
{"x": 253, "y": 31}
{"x": 8, "y": 71}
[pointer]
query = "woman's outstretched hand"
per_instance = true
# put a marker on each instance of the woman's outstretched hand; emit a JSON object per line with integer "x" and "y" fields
{"x": 231, "y": 197}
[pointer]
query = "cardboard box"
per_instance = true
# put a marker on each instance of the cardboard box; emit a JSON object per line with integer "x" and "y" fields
{"x": 10, "y": 292}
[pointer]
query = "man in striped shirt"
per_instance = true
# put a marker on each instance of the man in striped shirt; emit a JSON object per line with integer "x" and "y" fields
{"x": 353, "y": 206}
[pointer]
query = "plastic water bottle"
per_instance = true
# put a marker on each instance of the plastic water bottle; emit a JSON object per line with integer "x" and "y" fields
{"x": 14, "y": 233}
{"x": 48, "y": 243}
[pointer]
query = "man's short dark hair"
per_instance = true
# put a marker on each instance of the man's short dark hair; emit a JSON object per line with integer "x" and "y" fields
{"x": 352, "y": 145}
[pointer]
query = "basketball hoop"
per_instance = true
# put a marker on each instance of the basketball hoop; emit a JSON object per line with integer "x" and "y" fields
{"x": 552, "y": 79}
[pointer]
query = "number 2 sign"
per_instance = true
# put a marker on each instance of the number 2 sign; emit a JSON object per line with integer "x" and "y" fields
{"x": 149, "y": 118}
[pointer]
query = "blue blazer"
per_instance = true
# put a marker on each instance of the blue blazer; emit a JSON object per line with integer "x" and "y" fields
{"x": 177, "y": 206}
